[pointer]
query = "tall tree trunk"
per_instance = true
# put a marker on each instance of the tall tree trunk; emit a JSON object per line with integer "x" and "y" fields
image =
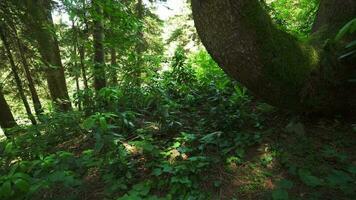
{"x": 15, "y": 72}
{"x": 74, "y": 56}
{"x": 83, "y": 36}
{"x": 99, "y": 54}
{"x": 82, "y": 65}
{"x": 140, "y": 46}
{"x": 86, "y": 100}
{"x": 113, "y": 67}
{"x": 21, "y": 50}
{"x": 34, "y": 95}
{"x": 79, "y": 104}
{"x": 6, "y": 118}
{"x": 39, "y": 11}
{"x": 274, "y": 65}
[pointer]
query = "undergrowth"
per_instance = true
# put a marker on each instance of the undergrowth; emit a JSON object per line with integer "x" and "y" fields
{"x": 190, "y": 134}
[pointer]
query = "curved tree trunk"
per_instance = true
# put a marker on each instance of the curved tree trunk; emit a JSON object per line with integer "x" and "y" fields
{"x": 39, "y": 11}
{"x": 272, "y": 64}
{"x": 6, "y": 118}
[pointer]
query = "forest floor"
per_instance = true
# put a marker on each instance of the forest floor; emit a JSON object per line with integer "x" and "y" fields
{"x": 295, "y": 158}
{"x": 202, "y": 150}
{"x": 308, "y": 159}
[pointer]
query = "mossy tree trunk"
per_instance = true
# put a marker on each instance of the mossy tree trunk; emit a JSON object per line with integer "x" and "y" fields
{"x": 275, "y": 65}
{"x": 42, "y": 28}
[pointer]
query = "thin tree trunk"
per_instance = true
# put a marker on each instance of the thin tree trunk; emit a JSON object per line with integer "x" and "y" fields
{"x": 75, "y": 38}
{"x": 84, "y": 37}
{"x": 82, "y": 65}
{"x": 140, "y": 46}
{"x": 15, "y": 72}
{"x": 113, "y": 67}
{"x": 42, "y": 26}
{"x": 99, "y": 54}
{"x": 6, "y": 118}
{"x": 79, "y": 104}
{"x": 35, "y": 98}
{"x": 21, "y": 50}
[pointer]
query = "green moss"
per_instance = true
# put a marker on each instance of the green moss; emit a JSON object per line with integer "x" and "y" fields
{"x": 287, "y": 61}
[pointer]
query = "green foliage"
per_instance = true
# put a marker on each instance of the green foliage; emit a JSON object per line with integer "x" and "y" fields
{"x": 347, "y": 30}
{"x": 295, "y": 16}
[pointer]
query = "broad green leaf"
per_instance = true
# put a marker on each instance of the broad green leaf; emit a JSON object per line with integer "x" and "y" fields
{"x": 308, "y": 179}
{"x": 8, "y": 148}
{"x": 5, "y": 189}
{"x": 352, "y": 169}
{"x": 296, "y": 128}
{"x": 280, "y": 195}
{"x": 103, "y": 123}
{"x": 22, "y": 185}
{"x": 21, "y": 175}
{"x": 89, "y": 123}
{"x": 142, "y": 188}
{"x": 130, "y": 197}
{"x": 157, "y": 172}
{"x": 286, "y": 184}
{"x": 338, "y": 178}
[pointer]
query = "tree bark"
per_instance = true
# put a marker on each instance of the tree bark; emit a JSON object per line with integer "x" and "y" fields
{"x": 82, "y": 65}
{"x": 99, "y": 54}
{"x": 6, "y": 118}
{"x": 15, "y": 72}
{"x": 113, "y": 67}
{"x": 74, "y": 56}
{"x": 140, "y": 47}
{"x": 34, "y": 95}
{"x": 21, "y": 50}
{"x": 83, "y": 37}
{"x": 332, "y": 14}
{"x": 272, "y": 64}
{"x": 39, "y": 11}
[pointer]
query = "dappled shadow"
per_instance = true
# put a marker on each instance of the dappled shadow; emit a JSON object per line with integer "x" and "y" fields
{"x": 300, "y": 160}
